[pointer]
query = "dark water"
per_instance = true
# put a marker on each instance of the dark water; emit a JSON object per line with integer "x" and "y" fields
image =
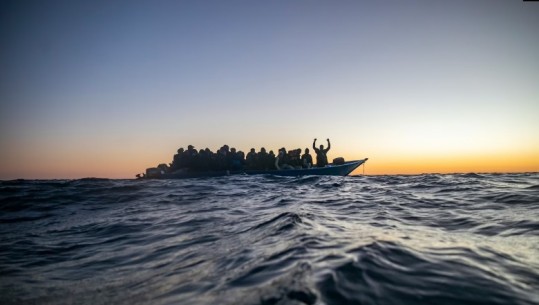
{"x": 427, "y": 239}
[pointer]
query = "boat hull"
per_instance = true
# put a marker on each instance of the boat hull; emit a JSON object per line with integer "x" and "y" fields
{"x": 330, "y": 170}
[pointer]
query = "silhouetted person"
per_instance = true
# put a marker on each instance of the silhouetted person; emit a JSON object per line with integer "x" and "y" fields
{"x": 251, "y": 159}
{"x": 294, "y": 158}
{"x": 189, "y": 156}
{"x": 282, "y": 161}
{"x": 270, "y": 161}
{"x": 234, "y": 159}
{"x": 262, "y": 160}
{"x": 221, "y": 158}
{"x": 177, "y": 161}
{"x": 241, "y": 157}
{"x": 307, "y": 159}
{"x": 202, "y": 160}
{"x": 321, "y": 154}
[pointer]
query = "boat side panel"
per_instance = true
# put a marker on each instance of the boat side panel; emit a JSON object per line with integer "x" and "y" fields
{"x": 332, "y": 170}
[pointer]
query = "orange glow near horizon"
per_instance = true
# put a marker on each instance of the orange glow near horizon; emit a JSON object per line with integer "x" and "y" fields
{"x": 121, "y": 165}
{"x": 460, "y": 164}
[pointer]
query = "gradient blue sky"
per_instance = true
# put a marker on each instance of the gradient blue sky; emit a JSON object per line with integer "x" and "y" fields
{"x": 108, "y": 88}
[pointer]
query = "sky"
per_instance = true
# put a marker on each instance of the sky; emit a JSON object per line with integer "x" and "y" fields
{"x": 109, "y": 88}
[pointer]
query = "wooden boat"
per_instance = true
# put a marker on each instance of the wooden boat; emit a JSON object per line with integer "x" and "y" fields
{"x": 329, "y": 170}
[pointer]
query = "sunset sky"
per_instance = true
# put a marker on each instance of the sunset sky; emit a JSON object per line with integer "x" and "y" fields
{"x": 109, "y": 88}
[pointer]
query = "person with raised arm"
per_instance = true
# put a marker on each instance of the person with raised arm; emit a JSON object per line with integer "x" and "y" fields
{"x": 321, "y": 154}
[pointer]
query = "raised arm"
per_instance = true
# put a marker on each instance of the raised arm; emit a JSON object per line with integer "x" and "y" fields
{"x": 314, "y": 144}
{"x": 329, "y": 146}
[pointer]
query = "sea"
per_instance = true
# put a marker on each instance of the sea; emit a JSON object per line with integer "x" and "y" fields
{"x": 400, "y": 239}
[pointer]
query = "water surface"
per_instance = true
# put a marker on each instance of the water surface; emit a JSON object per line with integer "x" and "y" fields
{"x": 425, "y": 239}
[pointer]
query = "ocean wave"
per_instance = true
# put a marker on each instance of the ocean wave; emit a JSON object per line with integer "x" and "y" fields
{"x": 384, "y": 272}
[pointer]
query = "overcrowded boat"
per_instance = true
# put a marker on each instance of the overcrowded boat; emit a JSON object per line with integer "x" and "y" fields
{"x": 328, "y": 170}
{"x": 192, "y": 163}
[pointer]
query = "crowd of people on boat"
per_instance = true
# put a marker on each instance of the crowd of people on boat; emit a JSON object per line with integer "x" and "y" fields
{"x": 228, "y": 158}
